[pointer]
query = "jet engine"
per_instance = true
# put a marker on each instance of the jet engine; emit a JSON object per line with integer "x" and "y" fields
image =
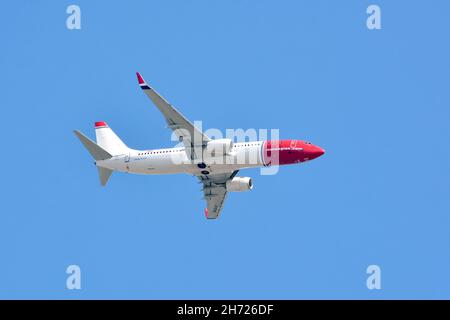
{"x": 239, "y": 184}
{"x": 219, "y": 147}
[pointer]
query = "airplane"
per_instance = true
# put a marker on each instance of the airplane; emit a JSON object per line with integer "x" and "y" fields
{"x": 215, "y": 162}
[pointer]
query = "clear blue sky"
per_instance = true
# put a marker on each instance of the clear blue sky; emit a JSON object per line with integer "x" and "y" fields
{"x": 377, "y": 101}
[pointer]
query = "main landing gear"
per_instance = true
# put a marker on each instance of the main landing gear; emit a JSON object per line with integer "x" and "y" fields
{"x": 202, "y": 165}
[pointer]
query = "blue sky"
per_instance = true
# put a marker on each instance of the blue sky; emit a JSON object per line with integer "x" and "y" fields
{"x": 377, "y": 101}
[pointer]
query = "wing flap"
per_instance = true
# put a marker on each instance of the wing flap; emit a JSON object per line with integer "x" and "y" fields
{"x": 215, "y": 192}
{"x": 215, "y": 204}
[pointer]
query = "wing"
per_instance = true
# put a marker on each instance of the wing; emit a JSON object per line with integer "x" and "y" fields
{"x": 192, "y": 138}
{"x": 215, "y": 192}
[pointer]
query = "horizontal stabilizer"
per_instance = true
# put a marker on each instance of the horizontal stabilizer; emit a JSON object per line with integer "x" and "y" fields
{"x": 104, "y": 175}
{"x": 97, "y": 152}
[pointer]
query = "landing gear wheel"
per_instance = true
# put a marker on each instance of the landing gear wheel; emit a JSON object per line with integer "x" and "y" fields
{"x": 205, "y": 172}
{"x": 201, "y": 165}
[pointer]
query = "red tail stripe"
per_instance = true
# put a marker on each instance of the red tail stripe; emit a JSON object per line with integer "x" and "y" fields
{"x": 100, "y": 124}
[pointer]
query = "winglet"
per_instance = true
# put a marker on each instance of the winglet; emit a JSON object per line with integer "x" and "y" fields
{"x": 142, "y": 83}
{"x": 206, "y": 213}
{"x": 140, "y": 79}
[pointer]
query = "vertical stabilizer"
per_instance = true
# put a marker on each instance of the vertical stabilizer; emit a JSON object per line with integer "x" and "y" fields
{"x": 108, "y": 140}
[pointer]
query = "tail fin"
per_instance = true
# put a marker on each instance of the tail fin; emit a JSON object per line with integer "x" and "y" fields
{"x": 108, "y": 140}
{"x": 98, "y": 153}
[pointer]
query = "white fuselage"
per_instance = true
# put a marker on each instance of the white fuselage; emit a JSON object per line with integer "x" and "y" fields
{"x": 175, "y": 160}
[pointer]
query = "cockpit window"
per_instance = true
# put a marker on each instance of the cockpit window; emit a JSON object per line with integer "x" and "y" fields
{"x": 306, "y": 142}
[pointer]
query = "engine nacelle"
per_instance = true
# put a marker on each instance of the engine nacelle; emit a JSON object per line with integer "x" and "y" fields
{"x": 239, "y": 184}
{"x": 219, "y": 147}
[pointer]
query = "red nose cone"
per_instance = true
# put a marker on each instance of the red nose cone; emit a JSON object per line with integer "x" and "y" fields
{"x": 315, "y": 152}
{"x": 279, "y": 152}
{"x": 319, "y": 151}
